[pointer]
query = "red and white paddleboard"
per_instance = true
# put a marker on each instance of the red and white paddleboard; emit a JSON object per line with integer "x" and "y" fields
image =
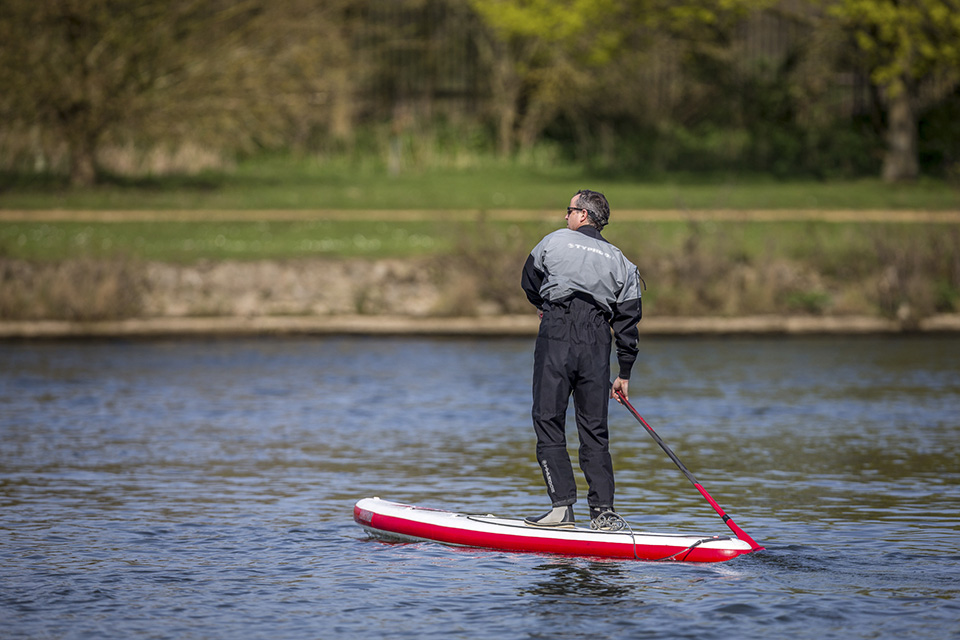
{"x": 407, "y": 523}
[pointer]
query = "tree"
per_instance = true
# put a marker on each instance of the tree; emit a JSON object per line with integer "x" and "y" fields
{"x": 586, "y": 61}
{"x": 902, "y": 44}
{"x": 238, "y": 74}
{"x": 542, "y": 56}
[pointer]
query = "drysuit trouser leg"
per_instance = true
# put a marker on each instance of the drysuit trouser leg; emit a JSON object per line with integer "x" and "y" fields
{"x": 573, "y": 358}
{"x": 591, "y": 402}
{"x": 551, "y": 395}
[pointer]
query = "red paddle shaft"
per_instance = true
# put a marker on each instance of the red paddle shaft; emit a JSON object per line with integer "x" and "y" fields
{"x": 740, "y": 533}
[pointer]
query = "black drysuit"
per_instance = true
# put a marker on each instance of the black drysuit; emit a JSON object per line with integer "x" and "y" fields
{"x": 584, "y": 286}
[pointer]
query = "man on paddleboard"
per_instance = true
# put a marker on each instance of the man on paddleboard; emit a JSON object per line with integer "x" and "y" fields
{"x": 583, "y": 286}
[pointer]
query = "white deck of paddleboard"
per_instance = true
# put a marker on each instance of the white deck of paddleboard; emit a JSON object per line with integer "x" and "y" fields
{"x": 493, "y": 525}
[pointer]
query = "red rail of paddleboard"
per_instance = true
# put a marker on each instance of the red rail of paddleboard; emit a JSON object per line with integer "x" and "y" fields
{"x": 556, "y": 543}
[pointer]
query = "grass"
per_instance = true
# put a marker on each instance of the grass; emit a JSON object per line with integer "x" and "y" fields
{"x": 289, "y": 183}
{"x": 837, "y": 245}
{"x": 191, "y": 241}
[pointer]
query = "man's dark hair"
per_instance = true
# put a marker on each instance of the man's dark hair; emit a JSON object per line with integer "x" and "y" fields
{"x": 596, "y": 205}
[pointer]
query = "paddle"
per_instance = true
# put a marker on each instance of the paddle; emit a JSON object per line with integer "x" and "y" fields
{"x": 740, "y": 533}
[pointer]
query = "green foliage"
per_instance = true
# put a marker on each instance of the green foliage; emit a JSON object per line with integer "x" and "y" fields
{"x": 552, "y": 21}
{"x": 110, "y": 90}
{"x": 947, "y": 297}
{"x": 902, "y": 45}
{"x": 902, "y": 40}
{"x": 808, "y": 302}
{"x": 841, "y": 151}
{"x": 235, "y": 76}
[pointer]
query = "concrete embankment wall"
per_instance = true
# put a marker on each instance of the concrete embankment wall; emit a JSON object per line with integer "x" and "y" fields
{"x": 333, "y": 297}
{"x": 490, "y": 326}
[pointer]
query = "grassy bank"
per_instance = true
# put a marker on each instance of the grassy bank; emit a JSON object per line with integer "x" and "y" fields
{"x": 692, "y": 268}
{"x": 288, "y": 183}
{"x": 463, "y": 234}
{"x": 841, "y": 246}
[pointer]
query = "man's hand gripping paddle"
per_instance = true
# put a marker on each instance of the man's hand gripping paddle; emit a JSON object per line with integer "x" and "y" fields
{"x": 740, "y": 533}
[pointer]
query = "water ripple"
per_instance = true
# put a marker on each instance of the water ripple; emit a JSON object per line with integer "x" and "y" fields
{"x": 204, "y": 490}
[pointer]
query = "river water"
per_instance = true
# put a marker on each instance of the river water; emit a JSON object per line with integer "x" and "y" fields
{"x": 204, "y": 489}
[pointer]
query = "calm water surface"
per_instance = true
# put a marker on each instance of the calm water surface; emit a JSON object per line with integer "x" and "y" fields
{"x": 203, "y": 489}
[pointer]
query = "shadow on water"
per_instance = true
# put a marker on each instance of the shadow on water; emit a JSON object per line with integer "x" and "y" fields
{"x": 571, "y": 578}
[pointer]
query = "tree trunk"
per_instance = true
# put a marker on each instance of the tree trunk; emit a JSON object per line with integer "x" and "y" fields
{"x": 342, "y": 111}
{"x": 82, "y": 136}
{"x": 539, "y": 113}
{"x": 83, "y": 170}
{"x": 505, "y": 85}
{"x": 506, "y": 121}
{"x": 900, "y": 161}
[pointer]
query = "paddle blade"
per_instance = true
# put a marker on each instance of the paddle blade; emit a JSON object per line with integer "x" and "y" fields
{"x": 737, "y": 531}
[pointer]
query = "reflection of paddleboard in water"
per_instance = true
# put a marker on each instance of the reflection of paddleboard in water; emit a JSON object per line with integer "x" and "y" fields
{"x": 406, "y": 523}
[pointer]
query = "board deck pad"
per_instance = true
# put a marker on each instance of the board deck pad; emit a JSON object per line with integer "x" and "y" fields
{"x": 408, "y": 523}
